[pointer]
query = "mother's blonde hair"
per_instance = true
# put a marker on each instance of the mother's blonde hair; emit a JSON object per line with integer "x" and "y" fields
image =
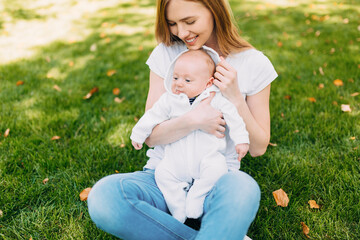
{"x": 226, "y": 31}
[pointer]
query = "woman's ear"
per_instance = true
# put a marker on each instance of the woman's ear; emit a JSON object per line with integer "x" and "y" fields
{"x": 210, "y": 82}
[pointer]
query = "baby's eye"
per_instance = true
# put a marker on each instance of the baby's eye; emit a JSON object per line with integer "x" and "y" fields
{"x": 187, "y": 80}
{"x": 175, "y": 78}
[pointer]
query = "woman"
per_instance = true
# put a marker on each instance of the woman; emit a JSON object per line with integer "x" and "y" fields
{"x": 130, "y": 205}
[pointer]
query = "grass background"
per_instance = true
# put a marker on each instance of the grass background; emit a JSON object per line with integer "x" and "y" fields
{"x": 73, "y": 44}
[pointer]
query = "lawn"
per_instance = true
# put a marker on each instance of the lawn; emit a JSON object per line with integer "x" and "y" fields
{"x": 52, "y": 55}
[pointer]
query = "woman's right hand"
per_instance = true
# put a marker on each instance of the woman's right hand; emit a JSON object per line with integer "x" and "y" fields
{"x": 208, "y": 119}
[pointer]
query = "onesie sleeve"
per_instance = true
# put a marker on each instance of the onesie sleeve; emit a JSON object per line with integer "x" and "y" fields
{"x": 262, "y": 73}
{"x": 235, "y": 123}
{"x": 154, "y": 116}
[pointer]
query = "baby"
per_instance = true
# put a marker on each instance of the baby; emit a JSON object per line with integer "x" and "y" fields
{"x": 192, "y": 165}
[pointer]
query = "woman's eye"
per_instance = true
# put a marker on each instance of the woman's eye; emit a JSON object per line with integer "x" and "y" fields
{"x": 191, "y": 22}
{"x": 171, "y": 24}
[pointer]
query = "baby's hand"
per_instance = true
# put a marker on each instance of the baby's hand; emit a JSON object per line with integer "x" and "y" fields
{"x": 136, "y": 145}
{"x": 242, "y": 149}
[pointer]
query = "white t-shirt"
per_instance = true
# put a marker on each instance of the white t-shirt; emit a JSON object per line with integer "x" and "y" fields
{"x": 254, "y": 71}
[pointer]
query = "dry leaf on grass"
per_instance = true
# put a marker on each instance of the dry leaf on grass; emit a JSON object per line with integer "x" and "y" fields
{"x": 110, "y": 72}
{"x": 273, "y": 144}
{"x": 57, "y": 88}
{"x": 119, "y": 100}
{"x": 1, "y": 213}
{"x": 84, "y": 194}
{"x": 18, "y": 83}
{"x": 354, "y": 94}
{"x": 305, "y": 229}
{"x": 338, "y": 82}
{"x": 92, "y": 91}
{"x": 55, "y": 138}
{"x": 45, "y": 180}
{"x": 116, "y": 91}
{"x": 7, "y": 132}
{"x": 313, "y": 204}
{"x": 321, "y": 86}
{"x": 345, "y": 108}
{"x": 281, "y": 198}
{"x": 311, "y": 99}
{"x": 352, "y": 138}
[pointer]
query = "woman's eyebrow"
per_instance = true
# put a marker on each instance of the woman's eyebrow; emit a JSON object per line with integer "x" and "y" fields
{"x": 181, "y": 20}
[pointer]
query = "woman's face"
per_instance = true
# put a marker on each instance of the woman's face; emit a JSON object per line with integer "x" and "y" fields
{"x": 192, "y": 22}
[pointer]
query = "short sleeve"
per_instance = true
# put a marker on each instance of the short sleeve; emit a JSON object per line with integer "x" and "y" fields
{"x": 161, "y": 57}
{"x": 262, "y": 73}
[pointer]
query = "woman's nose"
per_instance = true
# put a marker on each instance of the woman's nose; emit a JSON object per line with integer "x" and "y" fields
{"x": 183, "y": 33}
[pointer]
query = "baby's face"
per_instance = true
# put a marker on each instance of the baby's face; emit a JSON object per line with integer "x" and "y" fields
{"x": 190, "y": 77}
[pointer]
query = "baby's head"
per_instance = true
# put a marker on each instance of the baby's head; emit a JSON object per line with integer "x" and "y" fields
{"x": 193, "y": 73}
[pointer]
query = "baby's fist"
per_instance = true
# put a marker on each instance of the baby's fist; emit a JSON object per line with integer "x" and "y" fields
{"x": 242, "y": 150}
{"x": 136, "y": 145}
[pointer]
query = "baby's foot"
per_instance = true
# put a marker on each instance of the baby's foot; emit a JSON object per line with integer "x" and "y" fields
{"x": 194, "y": 209}
{"x": 180, "y": 216}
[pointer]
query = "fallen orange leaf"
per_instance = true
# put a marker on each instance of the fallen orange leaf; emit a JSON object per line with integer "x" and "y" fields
{"x": 345, "y": 108}
{"x": 273, "y": 144}
{"x": 57, "y": 88}
{"x": 354, "y": 94}
{"x": 45, "y": 180}
{"x": 281, "y": 198}
{"x": 122, "y": 145}
{"x": 102, "y": 35}
{"x": 338, "y": 82}
{"x": 116, "y": 91}
{"x": 321, "y": 71}
{"x": 298, "y": 43}
{"x": 279, "y": 44}
{"x": 321, "y": 86}
{"x": 335, "y": 103}
{"x": 312, "y": 99}
{"x": 18, "y": 83}
{"x": 313, "y": 204}
{"x": 317, "y": 33}
{"x": 71, "y": 64}
{"x": 110, "y": 72}
{"x": 288, "y": 97}
{"x": 92, "y": 91}
{"x": 119, "y": 100}
{"x": 55, "y": 138}
{"x": 305, "y": 229}
{"x": 7, "y": 131}
{"x": 84, "y": 194}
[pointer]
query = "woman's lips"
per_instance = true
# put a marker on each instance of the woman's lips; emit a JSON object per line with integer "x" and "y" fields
{"x": 191, "y": 41}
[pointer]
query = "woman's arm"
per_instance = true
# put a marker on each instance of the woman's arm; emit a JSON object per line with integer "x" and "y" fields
{"x": 202, "y": 117}
{"x": 254, "y": 111}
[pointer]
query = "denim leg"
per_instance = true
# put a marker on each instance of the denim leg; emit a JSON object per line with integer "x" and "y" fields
{"x": 131, "y": 206}
{"x": 230, "y": 207}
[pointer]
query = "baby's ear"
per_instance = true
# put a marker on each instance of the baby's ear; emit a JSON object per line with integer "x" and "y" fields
{"x": 210, "y": 82}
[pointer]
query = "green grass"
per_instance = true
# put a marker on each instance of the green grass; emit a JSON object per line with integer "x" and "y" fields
{"x": 314, "y": 157}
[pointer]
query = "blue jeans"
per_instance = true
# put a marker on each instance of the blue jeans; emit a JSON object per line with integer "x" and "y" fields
{"x": 131, "y": 206}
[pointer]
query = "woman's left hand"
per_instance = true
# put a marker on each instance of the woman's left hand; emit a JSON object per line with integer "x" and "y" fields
{"x": 226, "y": 80}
